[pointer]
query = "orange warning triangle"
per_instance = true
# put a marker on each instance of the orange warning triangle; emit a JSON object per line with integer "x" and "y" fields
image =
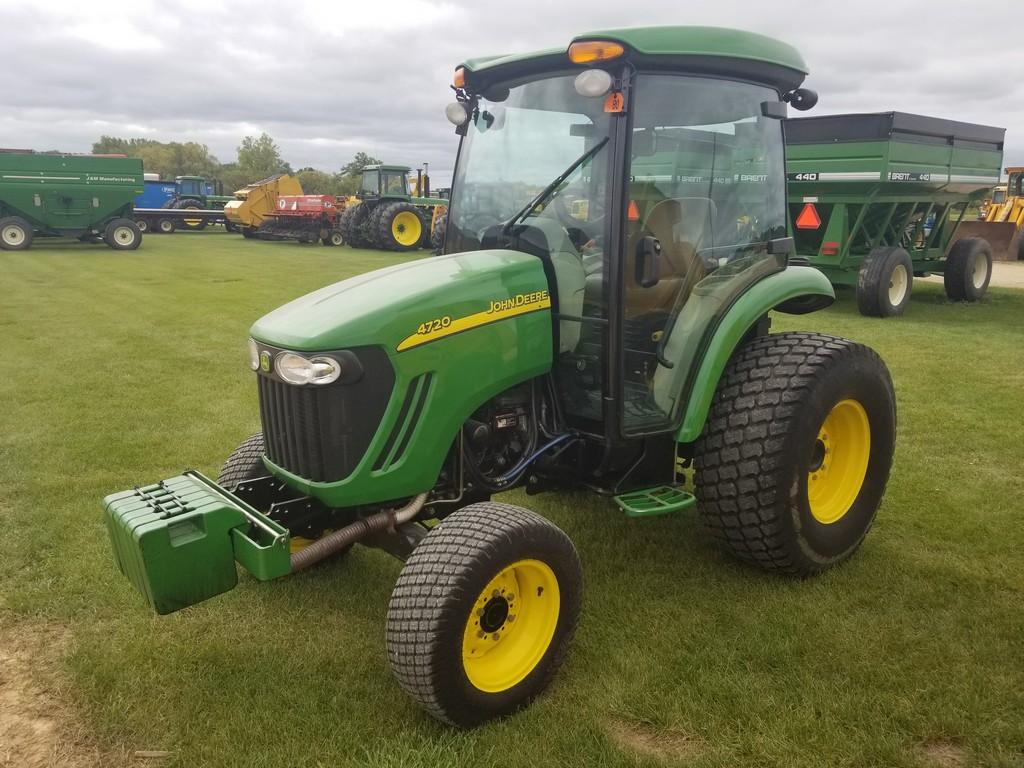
{"x": 808, "y": 218}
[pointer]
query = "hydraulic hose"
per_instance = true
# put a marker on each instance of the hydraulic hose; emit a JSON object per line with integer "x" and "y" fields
{"x": 360, "y": 529}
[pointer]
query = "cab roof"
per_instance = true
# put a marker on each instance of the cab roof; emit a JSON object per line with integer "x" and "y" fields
{"x": 730, "y": 52}
{"x": 382, "y": 167}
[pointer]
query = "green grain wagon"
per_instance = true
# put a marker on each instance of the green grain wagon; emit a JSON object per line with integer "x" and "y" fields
{"x": 876, "y": 200}
{"x": 61, "y": 195}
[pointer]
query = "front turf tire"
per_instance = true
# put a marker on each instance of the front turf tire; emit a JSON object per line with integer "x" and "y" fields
{"x": 472, "y": 632}
{"x": 776, "y": 489}
{"x": 244, "y": 463}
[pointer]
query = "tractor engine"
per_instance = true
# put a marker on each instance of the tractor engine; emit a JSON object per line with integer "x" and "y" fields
{"x": 499, "y": 437}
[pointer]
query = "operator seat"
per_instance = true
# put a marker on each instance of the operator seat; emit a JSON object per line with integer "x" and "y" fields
{"x": 682, "y": 225}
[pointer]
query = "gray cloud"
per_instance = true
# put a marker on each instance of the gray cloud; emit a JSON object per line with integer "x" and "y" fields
{"x": 328, "y": 79}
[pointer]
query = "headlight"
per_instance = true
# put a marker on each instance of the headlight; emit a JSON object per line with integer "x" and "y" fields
{"x": 254, "y": 355}
{"x": 296, "y": 369}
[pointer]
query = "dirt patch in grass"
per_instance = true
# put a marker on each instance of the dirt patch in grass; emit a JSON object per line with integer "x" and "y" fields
{"x": 668, "y": 745}
{"x": 37, "y": 726}
{"x": 941, "y": 753}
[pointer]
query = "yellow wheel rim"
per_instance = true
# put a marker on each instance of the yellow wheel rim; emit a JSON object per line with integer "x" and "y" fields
{"x": 839, "y": 462}
{"x": 406, "y": 228}
{"x": 510, "y": 626}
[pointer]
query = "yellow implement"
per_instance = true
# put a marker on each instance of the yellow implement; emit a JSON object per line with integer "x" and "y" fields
{"x": 1004, "y": 220}
{"x": 255, "y": 201}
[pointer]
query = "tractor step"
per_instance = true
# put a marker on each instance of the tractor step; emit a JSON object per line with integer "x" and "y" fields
{"x": 660, "y": 500}
{"x": 177, "y": 540}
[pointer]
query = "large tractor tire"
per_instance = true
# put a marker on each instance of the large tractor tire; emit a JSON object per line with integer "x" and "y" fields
{"x": 884, "y": 283}
{"x": 122, "y": 235}
{"x": 437, "y": 236}
{"x": 15, "y": 233}
{"x": 968, "y": 269}
{"x": 399, "y": 227}
{"x": 193, "y": 225}
{"x": 483, "y": 612}
{"x": 793, "y": 462}
{"x": 351, "y": 222}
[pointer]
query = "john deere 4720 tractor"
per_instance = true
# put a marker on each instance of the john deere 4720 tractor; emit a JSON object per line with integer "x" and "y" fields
{"x": 599, "y": 319}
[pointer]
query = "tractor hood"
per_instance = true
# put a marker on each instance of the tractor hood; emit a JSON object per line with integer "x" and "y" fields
{"x": 413, "y": 305}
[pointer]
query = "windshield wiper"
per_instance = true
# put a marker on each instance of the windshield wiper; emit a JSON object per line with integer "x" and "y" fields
{"x": 543, "y": 194}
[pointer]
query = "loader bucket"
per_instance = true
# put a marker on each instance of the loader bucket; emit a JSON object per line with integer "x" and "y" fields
{"x": 1002, "y": 236}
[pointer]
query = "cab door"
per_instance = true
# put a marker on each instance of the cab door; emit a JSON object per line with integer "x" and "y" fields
{"x": 705, "y": 198}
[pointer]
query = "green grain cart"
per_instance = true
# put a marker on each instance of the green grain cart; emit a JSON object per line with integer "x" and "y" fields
{"x": 876, "y": 200}
{"x": 61, "y": 195}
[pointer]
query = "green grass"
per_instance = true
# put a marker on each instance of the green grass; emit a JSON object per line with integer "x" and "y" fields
{"x": 119, "y": 369}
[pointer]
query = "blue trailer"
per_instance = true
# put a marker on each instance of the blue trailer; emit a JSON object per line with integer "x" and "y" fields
{"x": 157, "y": 193}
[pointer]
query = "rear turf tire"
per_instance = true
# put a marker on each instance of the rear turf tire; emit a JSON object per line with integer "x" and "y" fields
{"x": 244, "y": 463}
{"x": 968, "y": 269}
{"x": 884, "y": 282}
{"x": 796, "y": 453}
{"x": 15, "y": 233}
{"x": 122, "y": 235}
{"x": 451, "y": 603}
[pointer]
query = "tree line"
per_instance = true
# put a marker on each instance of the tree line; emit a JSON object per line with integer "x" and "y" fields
{"x": 258, "y": 157}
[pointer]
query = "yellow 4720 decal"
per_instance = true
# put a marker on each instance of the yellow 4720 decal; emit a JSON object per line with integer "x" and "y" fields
{"x": 498, "y": 309}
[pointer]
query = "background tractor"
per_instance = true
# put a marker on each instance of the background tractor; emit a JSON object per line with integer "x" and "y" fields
{"x": 389, "y": 216}
{"x": 599, "y": 320}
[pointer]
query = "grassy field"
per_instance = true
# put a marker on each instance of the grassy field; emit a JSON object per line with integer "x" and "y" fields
{"x": 119, "y": 369}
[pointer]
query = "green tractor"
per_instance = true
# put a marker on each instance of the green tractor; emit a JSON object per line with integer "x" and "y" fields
{"x": 388, "y": 216}
{"x": 599, "y": 320}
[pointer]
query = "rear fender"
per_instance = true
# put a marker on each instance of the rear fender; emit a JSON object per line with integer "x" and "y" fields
{"x": 795, "y": 290}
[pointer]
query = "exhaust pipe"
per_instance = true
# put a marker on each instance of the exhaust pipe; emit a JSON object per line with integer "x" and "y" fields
{"x": 350, "y": 534}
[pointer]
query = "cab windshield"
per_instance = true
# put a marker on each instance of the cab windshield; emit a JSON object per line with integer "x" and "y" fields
{"x": 518, "y": 141}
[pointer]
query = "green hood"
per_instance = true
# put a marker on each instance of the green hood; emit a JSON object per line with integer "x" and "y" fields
{"x": 387, "y": 306}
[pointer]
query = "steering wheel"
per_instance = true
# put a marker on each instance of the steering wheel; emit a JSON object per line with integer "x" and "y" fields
{"x": 580, "y": 232}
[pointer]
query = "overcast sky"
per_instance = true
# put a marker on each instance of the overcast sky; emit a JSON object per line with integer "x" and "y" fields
{"x": 327, "y": 79}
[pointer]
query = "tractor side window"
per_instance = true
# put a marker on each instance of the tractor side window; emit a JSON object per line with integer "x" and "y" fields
{"x": 706, "y": 195}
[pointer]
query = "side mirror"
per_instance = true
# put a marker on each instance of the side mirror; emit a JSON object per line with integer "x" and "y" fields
{"x": 648, "y": 261}
{"x": 802, "y": 98}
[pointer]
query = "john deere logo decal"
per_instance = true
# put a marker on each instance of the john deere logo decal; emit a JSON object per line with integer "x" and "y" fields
{"x": 265, "y": 361}
{"x": 497, "y": 309}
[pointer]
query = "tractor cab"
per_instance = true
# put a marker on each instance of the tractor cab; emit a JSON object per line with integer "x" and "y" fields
{"x": 646, "y": 170}
{"x": 191, "y": 186}
{"x": 384, "y": 181}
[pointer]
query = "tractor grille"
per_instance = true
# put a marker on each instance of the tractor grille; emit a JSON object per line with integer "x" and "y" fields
{"x": 321, "y": 433}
